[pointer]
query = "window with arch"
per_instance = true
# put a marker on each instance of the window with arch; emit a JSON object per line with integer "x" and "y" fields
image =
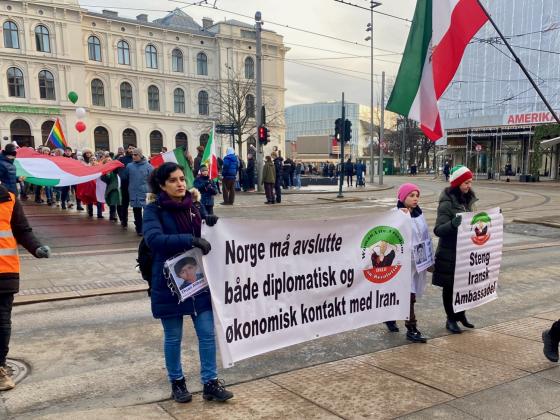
{"x": 177, "y": 60}
{"x": 203, "y": 108}
{"x": 126, "y": 96}
{"x": 123, "y": 53}
{"x": 156, "y": 142}
{"x": 201, "y": 64}
{"x": 250, "y": 106}
{"x": 97, "y": 93}
{"x": 42, "y": 39}
{"x": 11, "y": 37}
{"x": 151, "y": 57}
{"x": 249, "y": 68}
{"x": 46, "y": 85}
{"x": 153, "y": 98}
{"x": 179, "y": 101}
{"x": 181, "y": 140}
{"x": 129, "y": 137}
{"x": 101, "y": 138}
{"x": 94, "y": 48}
{"x": 16, "y": 84}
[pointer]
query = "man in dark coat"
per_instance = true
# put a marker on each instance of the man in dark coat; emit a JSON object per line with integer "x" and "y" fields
{"x": 8, "y": 175}
{"x": 198, "y": 160}
{"x": 122, "y": 209}
{"x": 277, "y": 160}
{"x": 15, "y": 230}
{"x": 250, "y": 173}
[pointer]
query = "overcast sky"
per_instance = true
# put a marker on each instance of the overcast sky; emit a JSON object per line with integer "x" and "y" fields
{"x": 305, "y": 84}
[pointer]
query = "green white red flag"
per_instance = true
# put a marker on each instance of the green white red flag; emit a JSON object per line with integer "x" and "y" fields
{"x": 440, "y": 33}
{"x": 209, "y": 158}
{"x": 176, "y": 156}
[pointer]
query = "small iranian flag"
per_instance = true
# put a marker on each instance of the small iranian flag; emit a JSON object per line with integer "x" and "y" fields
{"x": 440, "y": 33}
{"x": 209, "y": 158}
{"x": 176, "y": 156}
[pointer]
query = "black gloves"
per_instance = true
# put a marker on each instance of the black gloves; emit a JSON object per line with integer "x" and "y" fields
{"x": 211, "y": 220}
{"x": 456, "y": 221}
{"x": 203, "y": 244}
{"x": 43, "y": 252}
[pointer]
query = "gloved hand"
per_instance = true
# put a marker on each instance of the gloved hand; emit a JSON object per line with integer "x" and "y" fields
{"x": 203, "y": 244}
{"x": 43, "y": 252}
{"x": 456, "y": 221}
{"x": 211, "y": 220}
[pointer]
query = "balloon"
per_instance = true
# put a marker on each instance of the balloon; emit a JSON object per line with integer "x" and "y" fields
{"x": 80, "y": 113}
{"x": 80, "y": 126}
{"x": 73, "y": 96}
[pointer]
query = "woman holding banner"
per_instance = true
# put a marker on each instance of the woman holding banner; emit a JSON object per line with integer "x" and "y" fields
{"x": 172, "y": 225}
{"x": 457, "y": 198}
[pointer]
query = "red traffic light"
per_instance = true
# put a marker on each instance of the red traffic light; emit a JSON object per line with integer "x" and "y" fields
{"x": 263, "y": 134}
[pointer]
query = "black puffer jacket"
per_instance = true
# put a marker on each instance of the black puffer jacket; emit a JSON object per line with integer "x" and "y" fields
{"x": 451, "y": 202}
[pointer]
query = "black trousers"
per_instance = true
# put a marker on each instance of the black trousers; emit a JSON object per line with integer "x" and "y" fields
{"x": 228, "y": 191}
{"x": 278, "y": 190}
{"x": 269, "y": 191}
{"x": 555, "y": 332}
{"x": 6, "y": 303}
{"x": 137, "y": 218}
{"x": 122, "y": 210}
{"x": 209, "y": 210}
{"x": 447, "y": 296}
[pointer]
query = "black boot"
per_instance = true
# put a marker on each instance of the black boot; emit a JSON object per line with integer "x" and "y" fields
{"x": 415, "y": 336}
{"x": 550, "y": 348}
{"x": 453, "y": 327}
{"x": 214, "y": 390}
{"x": 392, "y": 326}
{"x": 179, "y": 391}
{"x": 466, "y": 322}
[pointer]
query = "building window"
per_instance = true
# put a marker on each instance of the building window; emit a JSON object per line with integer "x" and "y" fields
{"x": 11, "y": 38}
{"x": 249, "y": 68}
{"x": 156, "y": 142}
{"x": 42, "y": 40}
{"x": 153, "y": 98}
{"x": 179, "y": 101}
{"x": 16, "y": 85}
{"x": 123, "y": 53}
{"x": 250, "y": 106}
{"x": 97, "y": 93}
{"x": 203, "y": 103}
{"x": 151, "y": 57}
{"x": 201, "y": 64}
{"x": 177, "y": 61}
{"x": 129, "y": 137}
{"x": 46, "y": 85}
{"x": 94, "y": 48}
{"x": 181, "y": 140}
{"x": 101, "y": 139}
{"x": 126, "y": 95}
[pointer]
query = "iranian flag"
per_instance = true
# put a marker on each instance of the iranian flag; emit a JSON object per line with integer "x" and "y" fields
{"x": 57, "y": 171}
{"x": 176, "y": 156}
{"x": 440, "y": 33}
{"x": 209, "y": 158}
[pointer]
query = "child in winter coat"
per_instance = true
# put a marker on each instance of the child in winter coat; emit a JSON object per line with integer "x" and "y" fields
{"x": 421, "y": 256}
{"x": 207, "y": 188}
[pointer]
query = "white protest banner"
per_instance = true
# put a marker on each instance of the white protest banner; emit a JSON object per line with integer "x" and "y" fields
{"x": 279, "y": 283}
{"x": 478, "y": 260}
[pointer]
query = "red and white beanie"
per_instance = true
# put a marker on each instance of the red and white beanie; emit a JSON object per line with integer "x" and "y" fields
{"x": 459, "y": 174}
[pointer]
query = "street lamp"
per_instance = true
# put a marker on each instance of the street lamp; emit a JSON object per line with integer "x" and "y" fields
{"x": 369, "y": 28}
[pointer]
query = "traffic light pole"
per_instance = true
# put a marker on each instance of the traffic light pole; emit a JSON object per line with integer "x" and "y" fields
{"x": 382, "y": 129}
{"x": 259, "y": 157}
{"x": 342, "y": 141}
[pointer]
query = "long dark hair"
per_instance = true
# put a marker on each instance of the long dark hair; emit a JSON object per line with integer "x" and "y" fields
{"x": 462, "y": 198}
{"x": 161, "y": 174}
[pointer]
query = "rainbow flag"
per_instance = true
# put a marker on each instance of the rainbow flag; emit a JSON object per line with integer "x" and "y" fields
{"x": 56, "y": 136}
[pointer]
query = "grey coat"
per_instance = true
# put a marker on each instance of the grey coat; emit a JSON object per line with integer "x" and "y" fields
{"x": 137, "y": 174}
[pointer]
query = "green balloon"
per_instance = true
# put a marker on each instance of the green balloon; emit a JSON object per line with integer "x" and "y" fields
{"x": 73, "y": 96}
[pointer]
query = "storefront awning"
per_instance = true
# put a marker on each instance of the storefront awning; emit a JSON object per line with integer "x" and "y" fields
{"x": 551, "y": 142}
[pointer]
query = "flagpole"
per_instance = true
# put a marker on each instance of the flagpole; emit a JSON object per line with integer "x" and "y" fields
{"x": 518, "y": 61}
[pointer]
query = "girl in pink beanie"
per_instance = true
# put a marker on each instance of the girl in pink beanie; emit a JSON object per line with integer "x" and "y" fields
{"x": 421, "y": 254}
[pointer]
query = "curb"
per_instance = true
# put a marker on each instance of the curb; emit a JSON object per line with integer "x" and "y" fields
{"x": 296, "y": 192}
{"x": 536, "y": 222}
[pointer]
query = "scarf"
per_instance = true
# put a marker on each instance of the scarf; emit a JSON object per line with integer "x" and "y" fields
{"x": 186, "y": 214}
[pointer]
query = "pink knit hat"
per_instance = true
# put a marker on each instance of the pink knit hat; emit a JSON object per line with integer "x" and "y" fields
{"x": 406, "y": 189}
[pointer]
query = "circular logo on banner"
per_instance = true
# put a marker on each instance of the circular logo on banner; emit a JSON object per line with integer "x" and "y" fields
{"x": 480, "y": 224}
{"x": 381, "y": 247}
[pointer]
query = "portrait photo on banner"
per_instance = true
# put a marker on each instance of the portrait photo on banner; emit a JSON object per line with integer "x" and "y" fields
{"x": 185, "y": 274}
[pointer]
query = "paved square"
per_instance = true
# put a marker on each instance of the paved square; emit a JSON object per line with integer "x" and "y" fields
{"x": 529, "y": 328}
{"x": 513, "y": 351}
{"x": 455, "y": 373}
{"x": 353, "y": 389}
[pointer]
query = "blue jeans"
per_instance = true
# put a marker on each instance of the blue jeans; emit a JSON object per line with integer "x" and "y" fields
{"x": 297, "y": 180}
{"x": 172, "y": 337}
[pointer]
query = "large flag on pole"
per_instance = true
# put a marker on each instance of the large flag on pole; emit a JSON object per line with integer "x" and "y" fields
{"x": 57, "y": 171}
{"x": 209, "y": 157}
{"x": 440, "y": 33}
{"x": 56, "y": 136}
{"x": 176, "y": 156}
